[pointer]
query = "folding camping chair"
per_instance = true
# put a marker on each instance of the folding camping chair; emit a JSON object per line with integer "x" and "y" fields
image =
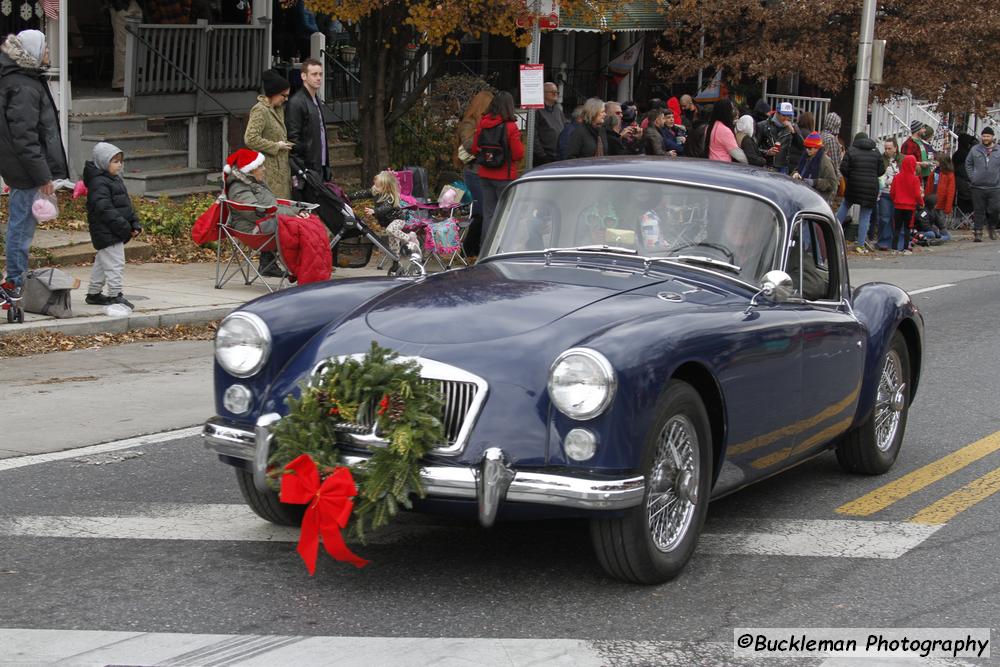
{"x": 245, "y": 248}
{"x": 441, "y": 225}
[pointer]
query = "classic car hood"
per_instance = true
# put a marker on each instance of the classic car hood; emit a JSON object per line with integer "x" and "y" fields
{"x": 495, "y": 300}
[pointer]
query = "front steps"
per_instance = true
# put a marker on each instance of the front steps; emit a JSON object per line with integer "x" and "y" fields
{"x": 153, "y": 167}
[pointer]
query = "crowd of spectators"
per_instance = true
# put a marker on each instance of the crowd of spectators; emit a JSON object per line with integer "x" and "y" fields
{"x": 854, "y": 176}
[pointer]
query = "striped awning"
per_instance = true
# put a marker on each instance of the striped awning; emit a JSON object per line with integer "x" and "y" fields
{"x": 638, "y": 16}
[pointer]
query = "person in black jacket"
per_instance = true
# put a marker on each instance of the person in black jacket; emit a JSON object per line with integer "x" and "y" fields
{"x": 112, "y": 222}
{"x": 31, "y": 148}
{"x": 589, "y": 139}
{"x": 861, "y": 168}
{"x": 306, "y": 125}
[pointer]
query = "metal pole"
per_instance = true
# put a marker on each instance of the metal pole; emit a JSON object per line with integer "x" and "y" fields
{"x": 862, "y": 84}
{"x": 64, "y": 91}
{"x": 533, "y": 55}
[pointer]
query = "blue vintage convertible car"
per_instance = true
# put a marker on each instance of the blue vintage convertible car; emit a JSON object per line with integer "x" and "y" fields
{"x": 639, "y": 336}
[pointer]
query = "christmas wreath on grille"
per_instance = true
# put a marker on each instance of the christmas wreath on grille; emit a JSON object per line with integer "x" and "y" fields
{"x": 385, "y": 389}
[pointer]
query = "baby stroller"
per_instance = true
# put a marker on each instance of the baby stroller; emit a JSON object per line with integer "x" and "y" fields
{"x": 336, "y": 213}
{"x": 11, "y": 302}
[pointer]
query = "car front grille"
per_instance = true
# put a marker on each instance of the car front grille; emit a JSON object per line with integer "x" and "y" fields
{"x": 462, "y": 395}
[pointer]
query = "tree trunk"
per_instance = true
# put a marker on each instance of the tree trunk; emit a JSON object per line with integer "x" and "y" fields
{"x": 383, "y": 100}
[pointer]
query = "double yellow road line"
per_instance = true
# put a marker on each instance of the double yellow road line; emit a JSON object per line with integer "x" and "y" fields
{"x": 946, "y": 508}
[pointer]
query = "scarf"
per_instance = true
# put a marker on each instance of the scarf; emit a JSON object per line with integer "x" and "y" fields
{"x": 809, "y": 167}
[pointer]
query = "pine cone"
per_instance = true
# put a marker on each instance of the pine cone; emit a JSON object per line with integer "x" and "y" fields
{"x": 394, "y": 411}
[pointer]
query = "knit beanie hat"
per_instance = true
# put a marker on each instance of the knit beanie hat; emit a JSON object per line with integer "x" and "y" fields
{"x": 243, "y": 159}
{"x": 988, "y": 130}
{"x": 916, "y": 126}
{"x": 33, "y": 42}
{"x": 273, "y": 83}
{"x": 814, "y": 140}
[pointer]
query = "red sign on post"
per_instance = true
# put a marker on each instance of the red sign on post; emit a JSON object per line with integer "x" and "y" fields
{"x": 547, "y": 16}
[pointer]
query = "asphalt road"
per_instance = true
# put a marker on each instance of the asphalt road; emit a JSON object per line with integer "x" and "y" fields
{"x": 457, "y": 586}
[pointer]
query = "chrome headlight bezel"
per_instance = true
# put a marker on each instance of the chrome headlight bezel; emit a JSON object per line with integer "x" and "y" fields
{"x": 605, "y": 373}
{"x": 262, "y": 342}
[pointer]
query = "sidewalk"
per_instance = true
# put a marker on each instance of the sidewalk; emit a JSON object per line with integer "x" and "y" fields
{"x": 163, "y": 295}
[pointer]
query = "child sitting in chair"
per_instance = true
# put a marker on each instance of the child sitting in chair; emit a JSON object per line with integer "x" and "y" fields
{"x": 388, "y": 210}
{"x": 388, "y": 205}
{"x": 245, "y": 184}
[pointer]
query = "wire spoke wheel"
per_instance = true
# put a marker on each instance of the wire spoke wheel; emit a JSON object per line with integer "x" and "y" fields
{"x": 872, "y": 446}
{"x": 650, "y": 542}
{"x": 890, "y": 403}
{"x": 673, "y": 483}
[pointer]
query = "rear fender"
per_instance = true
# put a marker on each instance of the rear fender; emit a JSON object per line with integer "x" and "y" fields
{"x": 884, "y": 309}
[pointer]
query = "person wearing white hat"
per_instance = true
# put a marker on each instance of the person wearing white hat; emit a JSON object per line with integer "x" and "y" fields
{"x": 776, "y": 131}
{"x": 31, "y": 148}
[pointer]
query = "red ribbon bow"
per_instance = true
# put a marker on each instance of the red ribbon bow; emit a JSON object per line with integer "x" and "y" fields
{"x": 330, "y": 507}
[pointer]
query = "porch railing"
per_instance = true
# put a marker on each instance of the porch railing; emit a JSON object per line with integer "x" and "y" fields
{"x": 192, "y": 69}
{"x": 817, "y": 106}
{"x": 893, "y": 117}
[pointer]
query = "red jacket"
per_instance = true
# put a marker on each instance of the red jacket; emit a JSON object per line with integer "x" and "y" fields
{"x": 508, "y": 171}
{"x": 305, "y": 248}
{"x": 905, "y": 188}
{"x": 946, "y": 192}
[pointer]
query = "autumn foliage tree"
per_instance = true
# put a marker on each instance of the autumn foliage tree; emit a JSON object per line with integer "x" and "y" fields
{"x": 387, "y": 27}
{"x": 940, "y": 50}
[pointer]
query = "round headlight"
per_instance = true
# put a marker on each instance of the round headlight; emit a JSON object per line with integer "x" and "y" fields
{"x": 237, "y": 399}
{"x": 581, "y": 383}
{"x": 580, "y": 444}
{"x": 242, "y": 344}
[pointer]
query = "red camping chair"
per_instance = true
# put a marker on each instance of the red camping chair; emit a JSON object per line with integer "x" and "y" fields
{"x": 244, "y": 249}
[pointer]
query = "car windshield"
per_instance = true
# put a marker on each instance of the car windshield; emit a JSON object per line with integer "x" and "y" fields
{"x": 725, "y": 231}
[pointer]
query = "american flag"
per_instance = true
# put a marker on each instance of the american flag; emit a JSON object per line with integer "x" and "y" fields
{"x": 51, "y": 9}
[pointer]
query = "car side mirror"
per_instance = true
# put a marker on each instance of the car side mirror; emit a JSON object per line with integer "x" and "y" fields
{"x": 776, "y": 285}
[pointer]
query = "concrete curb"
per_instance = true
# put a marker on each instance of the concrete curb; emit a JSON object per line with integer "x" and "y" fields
{"x": 86, "y": 326}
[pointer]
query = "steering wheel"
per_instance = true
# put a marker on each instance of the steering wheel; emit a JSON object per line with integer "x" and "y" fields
{"x": 730, "y": 257}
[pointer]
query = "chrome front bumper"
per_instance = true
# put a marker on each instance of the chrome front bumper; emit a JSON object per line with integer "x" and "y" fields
{"x": 490, "y": 483}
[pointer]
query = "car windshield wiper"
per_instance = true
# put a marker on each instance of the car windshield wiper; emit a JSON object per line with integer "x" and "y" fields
{"x": 598, "y": 248}
{"x": 699, "y": 259}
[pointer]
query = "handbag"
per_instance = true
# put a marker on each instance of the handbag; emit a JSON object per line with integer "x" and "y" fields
{"x": 465, "y": 156}
{"x": 47, "y": 292}
{"x": 842, "y": 187}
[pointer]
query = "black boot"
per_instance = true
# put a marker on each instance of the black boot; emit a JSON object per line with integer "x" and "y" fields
{"x": 268, "y": 266}
{"x": 977, "y": 235}
{"x": 992, "y": 233}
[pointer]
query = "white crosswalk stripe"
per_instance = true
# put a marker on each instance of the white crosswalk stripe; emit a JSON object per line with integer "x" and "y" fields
{"x": 790, "y": 537}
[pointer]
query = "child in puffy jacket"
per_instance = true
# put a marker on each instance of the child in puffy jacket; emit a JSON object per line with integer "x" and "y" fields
{"x": 946, "y": 185}
{"x": 907, "y": 194}
{"x": 112, "y": 222}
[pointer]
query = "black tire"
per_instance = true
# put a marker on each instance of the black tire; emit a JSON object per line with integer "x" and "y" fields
{"x": 10, "y": 315}
{"x": 19, "y": 317}
{"x": 266, "y": 504}
{"x": 859, "y": 450}
{"x": 624, "y": 545}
